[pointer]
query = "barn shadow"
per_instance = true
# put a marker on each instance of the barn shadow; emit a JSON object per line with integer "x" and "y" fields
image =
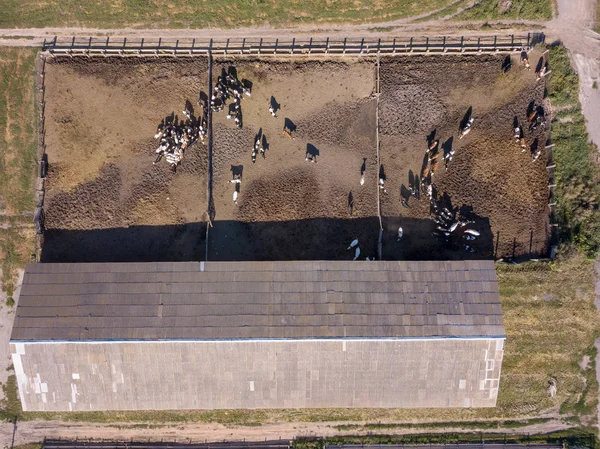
{"x": 419, "y": 241}
{"x": 328, "y": 239}
{"x": 310, "y": 239}
{"x": 176, "y": 243}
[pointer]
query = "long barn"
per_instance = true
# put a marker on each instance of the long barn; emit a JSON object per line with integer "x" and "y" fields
{"x": 214, "y": 335}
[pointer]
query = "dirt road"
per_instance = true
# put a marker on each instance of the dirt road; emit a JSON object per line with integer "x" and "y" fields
{"x": 573, "y": 26}
{"x": 31, "y": 431}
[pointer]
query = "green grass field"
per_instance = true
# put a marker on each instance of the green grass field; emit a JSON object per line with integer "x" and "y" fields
{"x": 17, "y": 160}
{"x": 242, "y": 13}
{"x": 578, "y": 191}
{"x": 520, "y": 9}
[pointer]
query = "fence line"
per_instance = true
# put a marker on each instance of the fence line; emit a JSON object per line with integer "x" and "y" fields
{"x": 377, "y": 95}
{"x": 282, "y": 47}
{"x": 550, "y": 167}
{"x": 209, "y": 193}
{"x": 38, "y": 217}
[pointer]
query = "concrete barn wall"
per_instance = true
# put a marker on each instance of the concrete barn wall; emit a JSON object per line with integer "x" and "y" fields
{"x": 154, "y": 375}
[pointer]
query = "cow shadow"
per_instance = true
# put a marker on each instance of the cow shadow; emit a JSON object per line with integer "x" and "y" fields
{"x": 189, "y": 107}
{"x": 265, "y": 144}
{"x": 466, "y": 118}
{"x": 540, "y": 64}
{"x": 203, "y": 100}
{"x": 506, "y": 64}
{"x": 447, "y": 146}
{"x": 431, "y": 137}
{"x": 312, "y": 152}
{"x": 237, "y": 171}
{"x": 276, "y": 106}
{"x": 405, "y": 193}
{"x": 382, "y": 174}
{"x": 288, "y": 124}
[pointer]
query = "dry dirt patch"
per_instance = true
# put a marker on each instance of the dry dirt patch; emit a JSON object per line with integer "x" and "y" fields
{"x": 102, "y": 113}
{"x": 290, "y": 208}
{"x": 100, "y": 119}
{"x": 506, "y": 192}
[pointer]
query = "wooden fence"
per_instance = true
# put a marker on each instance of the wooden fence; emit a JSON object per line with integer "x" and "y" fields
{"x": 280, "y": 47}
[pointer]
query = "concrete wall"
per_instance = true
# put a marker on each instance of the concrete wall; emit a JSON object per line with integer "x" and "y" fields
{"x": 147, "y": 375}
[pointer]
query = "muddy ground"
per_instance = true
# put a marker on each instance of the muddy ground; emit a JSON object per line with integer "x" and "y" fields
{"x": 289, "y": 208}
{"x": 490, "y": 177}
{"x": 105, "y": 200}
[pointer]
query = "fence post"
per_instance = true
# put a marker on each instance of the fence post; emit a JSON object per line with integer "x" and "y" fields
{"x": 293, "y": 45}
{"x": 411, "y": 44}
{"x": 394, "y": 47}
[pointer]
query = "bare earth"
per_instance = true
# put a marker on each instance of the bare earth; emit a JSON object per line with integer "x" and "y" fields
{"x": 34, "y": 431}
{"x": 105, "y": 200}
{"x": 291, "y": 209}
{"x": 490, "y": 177}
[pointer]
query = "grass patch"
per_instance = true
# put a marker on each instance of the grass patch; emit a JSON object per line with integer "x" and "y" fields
{"x": 577, "y": 176}
{"x": 447, "y": 11}
{"x": 16, "y": 248}
{"x": 509, "y": 424}
{"x": 17, "y": 129}
{"x": 551, "y": 324}
{"x": 567, "y": 438}
{"x": 233, "y": 13}
{"x": 520, "y": 9}
{"x": 10, "y": 406}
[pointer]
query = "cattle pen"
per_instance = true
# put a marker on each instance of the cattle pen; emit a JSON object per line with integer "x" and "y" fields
{"x": 319, "y": 58}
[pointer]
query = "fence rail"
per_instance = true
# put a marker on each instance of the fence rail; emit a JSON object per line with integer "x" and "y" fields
{"x": 270, "y": 47}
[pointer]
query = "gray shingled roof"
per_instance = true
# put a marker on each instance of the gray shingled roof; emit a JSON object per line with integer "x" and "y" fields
{"x": 242, "y": 300}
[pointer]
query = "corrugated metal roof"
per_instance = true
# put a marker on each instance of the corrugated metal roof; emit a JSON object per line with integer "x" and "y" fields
{"x": 243, "y": 300}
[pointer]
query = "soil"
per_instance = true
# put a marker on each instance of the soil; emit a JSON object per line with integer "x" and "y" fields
{"x": 35, "y": 431}
{"x": 105, "y": 200}
{"x": 289, "y": 208}
{"x": 490, "y": 178}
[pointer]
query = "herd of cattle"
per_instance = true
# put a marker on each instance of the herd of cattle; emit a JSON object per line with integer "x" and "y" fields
{"x": 448, "y": 219}
{"x": 174, "y": 138}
